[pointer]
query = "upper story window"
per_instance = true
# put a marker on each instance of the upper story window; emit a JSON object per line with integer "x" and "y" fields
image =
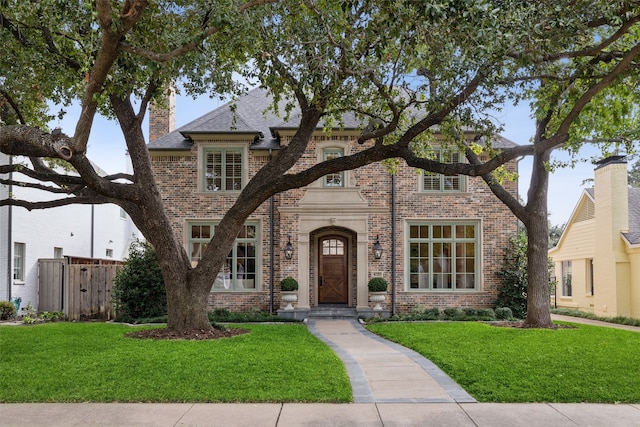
{"x": 443, "y": 256}
{"x": 333, "y": 179}
{"x": 239, "y": 272}
{"x": 223, "y": 169}
{"x": 435, "y": 182}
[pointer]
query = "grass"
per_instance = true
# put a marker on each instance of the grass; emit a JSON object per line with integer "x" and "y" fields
{"x": 499, "y": 364}
{"x": 95, "y": 362}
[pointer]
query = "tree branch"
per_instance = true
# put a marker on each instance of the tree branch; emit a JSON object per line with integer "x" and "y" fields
{"x": 90, "y": 200}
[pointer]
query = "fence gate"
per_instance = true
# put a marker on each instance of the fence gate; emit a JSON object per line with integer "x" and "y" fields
{"x": 90, "y": 291}
{"x": 82, "y": 291}
{"x": 51, "y": 284}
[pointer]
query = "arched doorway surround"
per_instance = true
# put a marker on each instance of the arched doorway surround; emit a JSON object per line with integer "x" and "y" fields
{"x": 345, "y": 209}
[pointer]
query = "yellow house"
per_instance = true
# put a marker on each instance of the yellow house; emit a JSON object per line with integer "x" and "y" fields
{"x": 597, "y": 259}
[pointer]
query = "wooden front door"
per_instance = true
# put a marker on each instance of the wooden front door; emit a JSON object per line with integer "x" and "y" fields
{"x": 333, "y": 281}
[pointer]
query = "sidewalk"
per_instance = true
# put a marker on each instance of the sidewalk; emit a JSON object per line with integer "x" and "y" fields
{"x": 392, "y": 386}
{"x": 301, "y": 414}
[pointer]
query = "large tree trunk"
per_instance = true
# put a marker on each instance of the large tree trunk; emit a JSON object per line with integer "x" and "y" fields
{"x": 186, "y": 305}
{"x": 536, "y": 222}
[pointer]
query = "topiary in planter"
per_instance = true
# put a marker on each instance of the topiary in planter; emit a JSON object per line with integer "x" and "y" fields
{"x": 377, "y": 284}
{"x": 288, "y": 284}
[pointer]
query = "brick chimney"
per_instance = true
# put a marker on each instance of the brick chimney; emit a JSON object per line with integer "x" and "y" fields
{"x": 162, "y": 115}
{"x": 611, "y": 262}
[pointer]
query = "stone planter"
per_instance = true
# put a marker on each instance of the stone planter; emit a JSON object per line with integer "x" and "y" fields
{"x": 289, "y": 297}
{"x": 377, "y": 298}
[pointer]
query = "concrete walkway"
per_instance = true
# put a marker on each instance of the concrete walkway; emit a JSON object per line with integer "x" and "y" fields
{"x": 384, "y": 372}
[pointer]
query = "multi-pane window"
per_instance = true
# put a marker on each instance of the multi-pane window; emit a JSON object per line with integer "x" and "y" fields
{"x": 442, "y": 183}
{"x": 239, "y": 270}
{"x": 18, "y": 261}
{"x": 222, "y": 169}
{"x": 443, "y": 256}
{"x": 566, "y": 279}
{"x": 332, "y": 247}
{"x": 333, "y": 179}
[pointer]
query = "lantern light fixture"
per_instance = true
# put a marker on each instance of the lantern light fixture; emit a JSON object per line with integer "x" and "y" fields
{"x": 377, "y": 248}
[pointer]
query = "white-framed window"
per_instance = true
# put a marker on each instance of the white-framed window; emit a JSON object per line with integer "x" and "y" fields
{"x": 333, "y": 179}
{"x": 590, "y": 287}
{"x": 19, "y": 251}
{"x": 58, "y": 253}
{"x": 435, "y": 182}
{"x": 108, "y": 253}
{"x": 443, "y": 256}
{"x": 239, "y": 272}
{"x": 566, "y": 279}
{"x": 223, "y": 169}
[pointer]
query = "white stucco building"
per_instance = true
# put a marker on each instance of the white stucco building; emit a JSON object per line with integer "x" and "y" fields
{"x": 87, "y": 231}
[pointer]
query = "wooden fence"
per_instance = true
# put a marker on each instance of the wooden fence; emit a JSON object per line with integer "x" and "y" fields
{"x": 81, "y": 290}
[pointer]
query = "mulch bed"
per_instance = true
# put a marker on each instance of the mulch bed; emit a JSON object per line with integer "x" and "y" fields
{"x": 193, "y": 334}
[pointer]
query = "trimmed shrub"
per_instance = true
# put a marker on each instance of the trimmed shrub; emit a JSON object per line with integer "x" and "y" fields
{"x": 7, "y": 310}
{"x": 138, "y": 290}
{"x": 503, "y": 313}
{"x": 452, "y": 314}
{"x": 377, "y": 284}
{"x": 486, "y": 314}
{"x": 431, "y": 314}
{"x": 470, "y": 312}
{"x": 288, "y": 284}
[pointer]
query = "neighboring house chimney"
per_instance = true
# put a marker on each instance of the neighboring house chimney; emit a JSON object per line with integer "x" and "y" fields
{"x": 611, "y": 263}
{"x": 162, "y": 115}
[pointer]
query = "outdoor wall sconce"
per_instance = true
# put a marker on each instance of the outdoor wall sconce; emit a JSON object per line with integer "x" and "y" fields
{"x": 377, "y": 248}
{"x": 288, "y": 249}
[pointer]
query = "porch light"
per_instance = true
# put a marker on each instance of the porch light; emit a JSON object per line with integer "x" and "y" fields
{"x": 288, "y": 249}
{"x": 377, "y": 248}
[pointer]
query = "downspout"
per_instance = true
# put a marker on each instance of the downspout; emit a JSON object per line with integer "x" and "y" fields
{"x": 393, "y": 244}
{"x": 10, "y": 235}
{"x": 92, "y": 228}
{"x": 271, "y": 245}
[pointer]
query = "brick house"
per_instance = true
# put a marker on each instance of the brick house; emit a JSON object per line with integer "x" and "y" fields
{"x": 443, "y": 238}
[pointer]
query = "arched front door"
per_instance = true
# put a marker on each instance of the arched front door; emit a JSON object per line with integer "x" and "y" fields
{"x": 333, "y": 280}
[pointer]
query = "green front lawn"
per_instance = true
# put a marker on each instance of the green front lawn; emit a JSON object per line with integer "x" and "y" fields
{"x": 499, "y": 364}
{"x": 95, "y": 362}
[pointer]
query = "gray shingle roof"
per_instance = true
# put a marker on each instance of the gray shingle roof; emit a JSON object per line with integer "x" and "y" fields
{"x": 249, "y": 114}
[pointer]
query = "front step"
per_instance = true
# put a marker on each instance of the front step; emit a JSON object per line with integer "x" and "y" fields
{"x": 333, "y": 312}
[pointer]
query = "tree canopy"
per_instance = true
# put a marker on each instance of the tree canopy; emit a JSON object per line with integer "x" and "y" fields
{"x": 408, "y": 69}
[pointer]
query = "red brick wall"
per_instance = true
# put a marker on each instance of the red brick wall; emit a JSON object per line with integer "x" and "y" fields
{"x": 177, "y": 180}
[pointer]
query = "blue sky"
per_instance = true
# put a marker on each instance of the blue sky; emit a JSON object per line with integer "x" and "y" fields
{"x": 107, "y": 149}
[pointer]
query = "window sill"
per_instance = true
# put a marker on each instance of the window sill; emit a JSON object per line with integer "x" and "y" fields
{"x": 19, "y": 282}
{"x": 442, "y": 291}
{"x": 217, "y": 193}
{"x": 440, "y": 193}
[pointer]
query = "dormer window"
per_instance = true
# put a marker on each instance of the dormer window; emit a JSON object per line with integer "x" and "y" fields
{"x": 222, "y": 169}
{"x": 333, "y": 179}
{"x": 435, "y": 182}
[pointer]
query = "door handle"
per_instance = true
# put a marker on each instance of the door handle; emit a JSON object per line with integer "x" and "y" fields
{"x": 320, "y": 280}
